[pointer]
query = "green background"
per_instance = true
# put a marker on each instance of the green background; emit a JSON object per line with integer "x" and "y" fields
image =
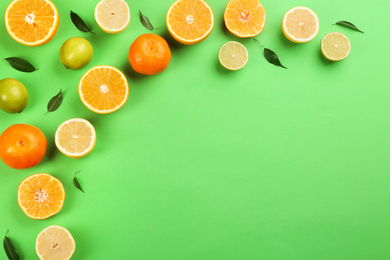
{"x": 204, "y": 163}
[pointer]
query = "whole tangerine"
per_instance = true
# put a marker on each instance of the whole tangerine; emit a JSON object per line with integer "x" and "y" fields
{"x": 22, "y": 146}
{"x": 149, "y": 54}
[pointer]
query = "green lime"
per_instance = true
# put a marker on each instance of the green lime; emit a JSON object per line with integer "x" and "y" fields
{"x": 13, "y": 96}
{"x": 76, "y": 53}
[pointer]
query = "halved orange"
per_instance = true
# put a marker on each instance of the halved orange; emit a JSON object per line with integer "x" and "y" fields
{"x": 55, "y": 242}
{"x": 103, "y": 89}
{"x": 244, "y": 18}
{"x": 41, "y": 196}
{"x": 300, "y": 24}
{"x": 190, "y": 21}
{"x": 31, "y": 23}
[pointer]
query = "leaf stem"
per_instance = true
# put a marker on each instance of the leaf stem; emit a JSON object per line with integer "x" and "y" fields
{"x": 258, "y": 42}
{"x": 76, "y": 173}
{"x": 6, "y": 233}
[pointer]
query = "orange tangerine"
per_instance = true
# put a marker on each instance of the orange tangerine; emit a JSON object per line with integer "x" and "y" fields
{"x": 41, "y": 196}
{"x": 244, "y": 18}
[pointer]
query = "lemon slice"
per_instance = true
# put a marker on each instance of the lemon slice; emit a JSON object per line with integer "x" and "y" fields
{"x": 300, "y": 24}
{"x": 55, "y": 242}
{"x": 335, "y": 46}
{"x": 75, "y": 138}
{"x": 113, "y": 16}
{"x": 233, "y": 55}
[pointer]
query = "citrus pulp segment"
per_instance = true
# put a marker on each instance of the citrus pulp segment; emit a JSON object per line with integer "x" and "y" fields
{"x": 31, "y": 23}
{"x": 244, "y": 18}
{"x": 103, "y": 89}
{"x": 75, "y": 138}
{"x": 41, "y": 196}
{"x": 190, "y": 21}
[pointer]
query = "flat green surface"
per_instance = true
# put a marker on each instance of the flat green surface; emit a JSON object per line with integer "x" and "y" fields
{"x": 203, "y": 163}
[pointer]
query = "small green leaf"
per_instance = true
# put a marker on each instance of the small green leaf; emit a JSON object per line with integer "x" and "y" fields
{"x": 349, "y": 25}
{"x": 79, "y": 23}
{"x": 10, "y": 248}
{"x": 20, "y": 64}
{"x": 145, "y": 22}
{"x": 76, "y": 182}
{"x": 54, "y": 102}
{"x": 272, "y": 58}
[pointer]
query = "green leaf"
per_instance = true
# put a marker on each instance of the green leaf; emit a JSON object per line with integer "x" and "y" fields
{"x": 79, "y": 23}
{"x": 76, "y": 182}
{"x": 145, "y": 22}
{"x": 54, "y": 102}
{"x": 349, "y": 25}
{"x": 10, "y": 248}
{"x": 272, "y": 58}
{"x": 20, "y": 64}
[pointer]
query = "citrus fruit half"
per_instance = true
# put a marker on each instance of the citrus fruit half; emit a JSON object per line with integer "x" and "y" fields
{"x": 335, "y": 46}
{"x": 75, "y": 138}
{"x": 41, "y": 196}
{"x": 233, "y": 55}
{"x": 300, "y": 24}
{"x": 190, "y": 21}
{"x": 55, "y": 242}
{"x": 31, "y": 23}
{"x": 22, "y": 146}
{"x": 244, "y": 18}
{"x": 112, "y": 16}
{"x": 103, "y": 89}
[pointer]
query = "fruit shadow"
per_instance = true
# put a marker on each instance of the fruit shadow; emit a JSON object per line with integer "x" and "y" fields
{"x": 324, "y": 60}
{"x": 286, "y": 42}
{"x": 173, "y": 44}
{"x": 221, "y": 69}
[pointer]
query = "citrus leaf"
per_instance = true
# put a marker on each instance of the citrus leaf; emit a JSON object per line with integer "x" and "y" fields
{"x": 76, "y": 182}
{"x": 79, "y": 23}
{"x": 20, "y": 64}
{"x": 348, "y": 25}
{"x": 145, "y": 22}
{"x": 272, "y": 58}
{"x": 54, "y": 102}
{"x": 10, "y": 248}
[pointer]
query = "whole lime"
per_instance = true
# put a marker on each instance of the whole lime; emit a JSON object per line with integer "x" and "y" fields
{"x": 13, "y": 96}
{"x": 76, "y": 53}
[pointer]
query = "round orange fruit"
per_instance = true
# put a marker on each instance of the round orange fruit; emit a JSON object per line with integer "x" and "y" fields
{"x": 31, "y": 23}
{"x": 41, "y": 196}
{"x": 22, "y": 146}
{"x": 149, "y": 54}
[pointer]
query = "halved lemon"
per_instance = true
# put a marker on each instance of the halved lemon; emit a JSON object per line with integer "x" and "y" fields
{"x": 75, "y": 138}
{"x": 335, "y": 46}
{"x": 103, "y": 89}
{"x": 55, "y": 242}
{"x": 113, "y": 16}
{"x": 41, "y": 196}
{"x": 300, "y": 24}
{"x": 190, "y": 21}
{"x": 31, "y": 23}
{"x": 233, "y": 55}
